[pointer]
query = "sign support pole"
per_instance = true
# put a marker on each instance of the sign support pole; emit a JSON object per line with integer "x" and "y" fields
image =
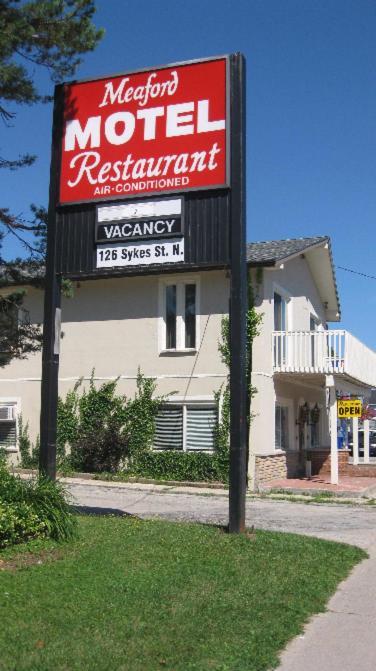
{"x": 238, "y": 303}
{"x": 52, "y": 315}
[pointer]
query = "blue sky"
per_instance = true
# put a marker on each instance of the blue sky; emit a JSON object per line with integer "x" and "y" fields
{"x": 311, "y": 117}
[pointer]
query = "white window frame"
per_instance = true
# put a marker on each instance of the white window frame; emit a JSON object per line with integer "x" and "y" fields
{"x": 198, "y": 401}
{"x": 289, "y": 404}
{"x": 180, "y": 282}
{"x": 16, "y": 403}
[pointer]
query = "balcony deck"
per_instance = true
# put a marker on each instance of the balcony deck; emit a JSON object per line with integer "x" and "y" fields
{"x": 329, "y": 352}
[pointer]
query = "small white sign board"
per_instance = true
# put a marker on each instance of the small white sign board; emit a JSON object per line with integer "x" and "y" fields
{"x": 142, "y": 253}
{"x": 141, "y": 209}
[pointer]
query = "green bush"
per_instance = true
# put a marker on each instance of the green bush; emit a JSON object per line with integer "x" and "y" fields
{"x": 173, "y": 465}
{"x": 105, "y": 430}
{"x": 98, "y": 430}
{"x": 30, "y": 508}
{"x": 18, "y": 523}
{"x": 140, "y": 414}
{"x": 99, "y": 440}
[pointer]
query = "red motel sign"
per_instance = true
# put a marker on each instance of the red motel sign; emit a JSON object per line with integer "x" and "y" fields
{"x": 161, "y": 130}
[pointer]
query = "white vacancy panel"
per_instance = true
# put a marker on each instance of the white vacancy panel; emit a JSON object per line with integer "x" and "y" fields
{"x": 142, "y": 253}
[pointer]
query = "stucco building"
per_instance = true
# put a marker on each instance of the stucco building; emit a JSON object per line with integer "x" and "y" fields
{"x": 169, "y": 326}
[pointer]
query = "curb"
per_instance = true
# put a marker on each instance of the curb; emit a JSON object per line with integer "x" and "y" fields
{"x": 367, "y": 492}
{"x": 131, "y": 480}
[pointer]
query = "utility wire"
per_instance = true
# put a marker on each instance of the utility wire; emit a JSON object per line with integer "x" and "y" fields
{"x": 356, "y": 272}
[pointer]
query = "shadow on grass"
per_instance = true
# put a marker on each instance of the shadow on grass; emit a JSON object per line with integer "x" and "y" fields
{"x": 96, "y": 510}
{"x": 115, "y": 512}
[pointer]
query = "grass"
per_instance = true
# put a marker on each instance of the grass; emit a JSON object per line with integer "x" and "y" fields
{"x": 132, "y": 595}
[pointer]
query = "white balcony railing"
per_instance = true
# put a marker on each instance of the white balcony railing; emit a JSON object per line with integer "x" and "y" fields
{"x": 324, "y": 352}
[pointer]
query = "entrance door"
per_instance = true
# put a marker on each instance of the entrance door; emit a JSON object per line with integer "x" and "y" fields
{"x": 303, "y": 419}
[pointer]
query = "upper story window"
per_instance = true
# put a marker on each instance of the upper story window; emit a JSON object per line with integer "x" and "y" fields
{"x": 280, "y": 312}
{"x": 313, "y": 323}
{"x": 179, "y": 307}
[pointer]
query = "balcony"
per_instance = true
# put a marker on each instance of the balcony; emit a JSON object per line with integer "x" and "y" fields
{"x": 329, "y": 352}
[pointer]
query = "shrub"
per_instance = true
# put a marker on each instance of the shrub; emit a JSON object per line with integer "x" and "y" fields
{"x": 99, "y": 430}
{"x": 105, "y": 430}
{"x": 30, "y": 508}
{"x": 173, "y": 465}
{"x": 19, "y": 522}
{"x": 141, "y": 412}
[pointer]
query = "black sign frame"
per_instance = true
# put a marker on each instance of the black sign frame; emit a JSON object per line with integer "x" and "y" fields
{"x": 226, "y": 205}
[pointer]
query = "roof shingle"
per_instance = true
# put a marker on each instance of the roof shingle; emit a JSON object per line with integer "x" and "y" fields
{"x": 274, "y": 251}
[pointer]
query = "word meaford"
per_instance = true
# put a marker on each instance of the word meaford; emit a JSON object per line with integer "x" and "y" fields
{"x": 141, "y": 94}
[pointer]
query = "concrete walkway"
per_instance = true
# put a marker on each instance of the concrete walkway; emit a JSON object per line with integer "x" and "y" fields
{"x": 354, "y": 487}
{"x": 344, "y": 637}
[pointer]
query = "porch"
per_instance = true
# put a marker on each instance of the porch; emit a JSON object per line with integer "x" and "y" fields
{"x": 332, "y": 352}
{"x": 346, "y": 367}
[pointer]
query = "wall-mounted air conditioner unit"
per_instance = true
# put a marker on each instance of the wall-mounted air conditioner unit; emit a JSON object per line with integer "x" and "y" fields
{"x": 7, "y": 413}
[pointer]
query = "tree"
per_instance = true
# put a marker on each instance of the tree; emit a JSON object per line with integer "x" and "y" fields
{"x": 49, "y": 34}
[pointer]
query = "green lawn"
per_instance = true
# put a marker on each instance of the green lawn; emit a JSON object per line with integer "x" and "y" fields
{"x": 141, "y": 596}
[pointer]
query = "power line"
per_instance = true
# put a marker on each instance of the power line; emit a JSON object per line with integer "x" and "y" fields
{"x": 356, "y": 272}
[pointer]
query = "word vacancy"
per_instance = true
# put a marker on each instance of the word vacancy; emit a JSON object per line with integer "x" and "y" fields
{"x": 163, "y": 130}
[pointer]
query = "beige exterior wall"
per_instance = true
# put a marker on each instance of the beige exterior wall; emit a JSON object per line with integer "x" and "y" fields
{"x": 295, "y": 282}
{"x": 114, "y": 326}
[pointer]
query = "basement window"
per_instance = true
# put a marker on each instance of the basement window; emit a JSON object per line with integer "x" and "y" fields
{"x": 186, "y": 427}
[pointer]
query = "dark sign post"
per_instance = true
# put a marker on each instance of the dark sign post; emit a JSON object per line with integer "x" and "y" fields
{"x": 52, "y": 313}
{"x": 147, "y": 176}
{"x": 238, "y": 304}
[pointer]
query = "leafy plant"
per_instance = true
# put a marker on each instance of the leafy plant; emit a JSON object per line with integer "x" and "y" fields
{"x": 99, "y": 430}
{"x": 174, "y": 465}
{"x": 24, "y": 444}
{"x": 222, "y": 397}
{"x": 98, "y": 439}
{"x": 19, "y": 522}
{"x": 140, "y": 416}
{"x": 32, "y": 508}
{"x": 103, "y": 430}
